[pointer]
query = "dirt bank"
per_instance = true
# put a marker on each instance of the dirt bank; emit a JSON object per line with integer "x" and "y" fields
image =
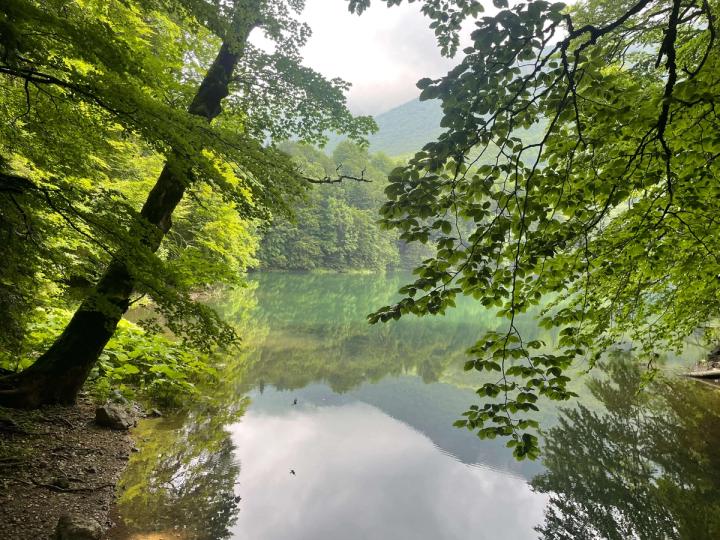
{"x": 56, "y": 461}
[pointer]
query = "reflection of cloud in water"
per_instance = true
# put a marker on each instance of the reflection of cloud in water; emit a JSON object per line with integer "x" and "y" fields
{"x": 363, "y": 474}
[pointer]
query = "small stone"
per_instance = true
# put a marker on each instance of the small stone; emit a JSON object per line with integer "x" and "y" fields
{"x": 154, "y": 413}
{"x": 134, "y": 449}
{"x": 113, "y": 416}
{"x": 74, "y": 527}
{"x": 91, "y": 470}
{"x": 117, "y": 397}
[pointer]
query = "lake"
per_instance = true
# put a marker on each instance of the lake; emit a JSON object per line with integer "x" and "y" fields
{"x": 323, "y": 427}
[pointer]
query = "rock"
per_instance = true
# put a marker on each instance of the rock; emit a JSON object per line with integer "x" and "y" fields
{"x": 113, "y": 416}
{"x": 154, "y": 413}
{"x": 74, "y": 527}
{"x": 117, "y": 397}
{"x": 135, "y": 449}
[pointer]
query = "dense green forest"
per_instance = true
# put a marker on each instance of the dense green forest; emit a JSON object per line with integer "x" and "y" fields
{"x": 336, "y": 227}
{"x": 132, "y": 189}
{"x": 561, "y": 178}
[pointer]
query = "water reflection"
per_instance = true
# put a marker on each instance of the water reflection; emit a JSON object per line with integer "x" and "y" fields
{"x": 648, "y": 467}
{"x": 372, "y": 443}
{"x": 317, "y": 332}
{"x": 362, "y": 474}
{"x": 182, "y": 483}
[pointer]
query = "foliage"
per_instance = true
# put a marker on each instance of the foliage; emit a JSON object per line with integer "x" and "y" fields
{"x": 95, "y": 98}
{"x": 151, "y": 367}
{"x": 335, "y": 227}
{"x": 157, "y": 368}
{"x": 647, "y": 467}
{"x": 611, "y": 210}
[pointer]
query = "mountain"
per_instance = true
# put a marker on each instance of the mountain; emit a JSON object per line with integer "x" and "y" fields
{"x": 403, "y": 130}
{"x": 407, "y": 128}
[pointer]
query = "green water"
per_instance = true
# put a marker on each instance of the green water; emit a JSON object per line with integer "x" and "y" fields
{"x": 326, "y": 428}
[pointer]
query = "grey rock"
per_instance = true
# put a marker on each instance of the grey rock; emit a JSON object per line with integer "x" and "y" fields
{"x": 154, "y": 413}
{"x": 74, "y": 527}
{"x": 113, "y": 416}
{"x": 117, "y": 397}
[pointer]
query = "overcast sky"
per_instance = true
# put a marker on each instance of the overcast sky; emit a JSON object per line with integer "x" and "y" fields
{"x": 383, "y": 52}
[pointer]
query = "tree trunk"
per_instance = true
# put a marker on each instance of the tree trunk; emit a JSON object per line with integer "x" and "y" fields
{"x": 58, "y": 375}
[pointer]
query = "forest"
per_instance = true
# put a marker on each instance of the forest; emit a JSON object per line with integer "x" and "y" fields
{"x": 194, "y": 222}
{"x": 337, "y": 229}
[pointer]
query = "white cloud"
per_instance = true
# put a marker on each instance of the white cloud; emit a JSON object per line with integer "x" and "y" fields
{"x": 362, "y": 474}
{"x": 383, "y": 52}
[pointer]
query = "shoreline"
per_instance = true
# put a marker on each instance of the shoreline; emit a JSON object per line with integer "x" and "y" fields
{"x": 56, "y": 461}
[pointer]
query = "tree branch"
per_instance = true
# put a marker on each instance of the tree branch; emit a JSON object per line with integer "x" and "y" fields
{"x": 338, "y": 179}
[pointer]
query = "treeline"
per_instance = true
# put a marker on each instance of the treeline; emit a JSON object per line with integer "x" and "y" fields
{"x": 335, "y": 227}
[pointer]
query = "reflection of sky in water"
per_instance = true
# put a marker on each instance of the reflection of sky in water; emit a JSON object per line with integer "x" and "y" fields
{"x": 371, "y": 439}
{"x": 362, "y": 474}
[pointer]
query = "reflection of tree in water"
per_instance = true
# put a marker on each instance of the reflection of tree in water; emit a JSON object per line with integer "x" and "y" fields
{"x": 317, "y": 332}
{"x": 297, "y": 330}
{"x": 647, "y": 468}
{"x": 183, "y": 479}
{"x": 182, "y": 482}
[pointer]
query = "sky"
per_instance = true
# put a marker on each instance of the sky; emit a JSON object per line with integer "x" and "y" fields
{"x": 383, "y": 52}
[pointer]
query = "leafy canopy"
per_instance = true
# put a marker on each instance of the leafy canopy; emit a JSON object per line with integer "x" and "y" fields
{"x": 608, "y": 216}
{"x": 93, "y": 100}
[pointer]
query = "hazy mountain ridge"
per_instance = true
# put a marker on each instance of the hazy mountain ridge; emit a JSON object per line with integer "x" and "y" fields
{"x": 402, "y": 130}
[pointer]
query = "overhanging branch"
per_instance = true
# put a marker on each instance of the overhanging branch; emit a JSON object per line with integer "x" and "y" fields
{"x": 338, "y": 179}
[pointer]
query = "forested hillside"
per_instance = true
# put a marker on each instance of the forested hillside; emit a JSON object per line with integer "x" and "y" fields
{"x": 402, "y": 131}
{"x": 335, "y": 227}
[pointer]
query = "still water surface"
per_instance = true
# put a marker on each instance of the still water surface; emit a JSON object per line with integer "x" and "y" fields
{"x": 325, "y": 428}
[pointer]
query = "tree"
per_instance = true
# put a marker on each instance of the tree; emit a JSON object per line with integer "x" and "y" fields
{"x": 98, "y": 74}
{"x": 334, "y": 228}
{"x": 607, "y": 217}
